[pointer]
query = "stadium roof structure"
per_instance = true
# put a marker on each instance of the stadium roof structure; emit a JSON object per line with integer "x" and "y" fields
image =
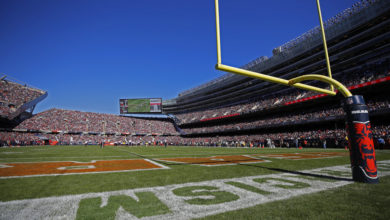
{"x": 20, "y": 105}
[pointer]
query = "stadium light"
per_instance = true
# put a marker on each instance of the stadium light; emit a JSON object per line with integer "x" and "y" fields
{"x": 361, "y": 144}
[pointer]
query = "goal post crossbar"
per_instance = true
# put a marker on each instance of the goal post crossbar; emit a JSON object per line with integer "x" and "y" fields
{"x": 295, "y": 82}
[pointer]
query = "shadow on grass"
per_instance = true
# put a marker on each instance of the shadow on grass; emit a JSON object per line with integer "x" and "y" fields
{"x": 298, "y": 172}
{"x": 242, "y": 163}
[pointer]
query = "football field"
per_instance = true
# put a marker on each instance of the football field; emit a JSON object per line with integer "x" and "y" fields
{"x": 138, "y": 105}
{"x": 118, "y": 182}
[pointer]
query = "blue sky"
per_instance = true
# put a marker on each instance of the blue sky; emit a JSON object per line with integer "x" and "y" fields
{"x": 90, "y": 53}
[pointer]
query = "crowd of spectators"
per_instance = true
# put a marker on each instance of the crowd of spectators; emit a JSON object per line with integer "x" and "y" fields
{"x": 77, "y": 121}
{"x": 306, "y": 139}
{"x": 314, "y": 138}
{"x": 286, "y": 118}
{"x": 339, "y": 18}
{"x": 29, "y": 139}
{"x": 275, "y": 100}
{"x": 286, "y": 139}
{"x": 282, "y": 119}
{"x": 13, "y": 95}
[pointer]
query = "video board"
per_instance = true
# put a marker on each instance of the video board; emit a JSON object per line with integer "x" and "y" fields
{"x": 144, "y": 105}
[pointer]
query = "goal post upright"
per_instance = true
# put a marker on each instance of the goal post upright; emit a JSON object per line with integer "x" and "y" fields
{"x": 324, "y": 43}
{"x": 361, "y": 145}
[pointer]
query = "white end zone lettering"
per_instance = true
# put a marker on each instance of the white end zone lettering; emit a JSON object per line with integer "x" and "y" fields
{"x": 185, "y": 201}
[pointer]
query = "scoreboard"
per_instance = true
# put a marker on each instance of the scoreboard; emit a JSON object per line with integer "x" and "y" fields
{"x": 144, "y": 105}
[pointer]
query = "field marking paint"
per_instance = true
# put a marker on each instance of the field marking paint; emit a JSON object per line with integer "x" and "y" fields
{"x": 260, "y": 155}
{"x": 157, "y": 164}
{"x": 7, "y": 152}
{"x": 77, "y": 167}
{"x": 278, "y": 187}
{"x": 215, "y": 160}
{"x": 304, "y": 155}
{"x": 4, "y": 165}
{"x": 34, "y": 169}
{"x": 36, "y": 158}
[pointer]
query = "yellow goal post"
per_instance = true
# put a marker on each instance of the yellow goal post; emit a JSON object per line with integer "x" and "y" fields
{"x": 295, "y": 82}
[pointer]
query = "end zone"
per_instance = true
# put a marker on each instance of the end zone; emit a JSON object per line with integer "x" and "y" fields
{"x": 216, "y": 160}
{"x": 14, "y": 170}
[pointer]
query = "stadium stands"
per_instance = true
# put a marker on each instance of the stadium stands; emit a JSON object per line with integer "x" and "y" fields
{"x": 314, "y": 138}
{"x": 75, "y": 127}
{"x": 359, "y": 53}
{"x": 274, "y": 100}
{"x": 14, "y": 96}
{"x": 236, "y": 111}
{"x": 289, "y": 118}
{"x": 12, "y": 138}
{"x": 359, "y": 40}
{"x": 78, "y": 122}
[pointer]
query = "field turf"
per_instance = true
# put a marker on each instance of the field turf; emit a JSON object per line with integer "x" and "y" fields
{"x": 347, "y": 201}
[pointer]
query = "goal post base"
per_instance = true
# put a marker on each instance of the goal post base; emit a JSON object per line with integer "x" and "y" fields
{"x": 360, "y": 139}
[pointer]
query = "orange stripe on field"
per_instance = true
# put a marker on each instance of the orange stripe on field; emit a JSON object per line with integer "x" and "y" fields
{"x": 47, "y": 168}
{"x": 215, "y": 160}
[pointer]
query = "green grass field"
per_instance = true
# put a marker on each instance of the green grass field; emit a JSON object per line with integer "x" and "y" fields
{"x": 195, "y": 188}
{"x": 138, "y": 105}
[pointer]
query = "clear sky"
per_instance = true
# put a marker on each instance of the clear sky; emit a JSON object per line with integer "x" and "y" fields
{"x": 90, "y": 53}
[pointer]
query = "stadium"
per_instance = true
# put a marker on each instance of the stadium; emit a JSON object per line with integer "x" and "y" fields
{"x": 232, "y": 148}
